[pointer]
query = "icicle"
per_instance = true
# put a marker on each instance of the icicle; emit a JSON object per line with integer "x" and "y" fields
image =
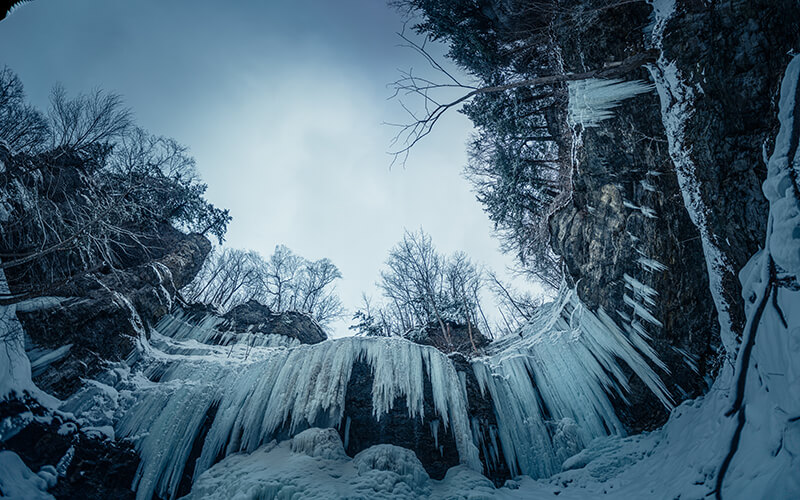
{"x": 561, "y": 371}
{"x": 347, "y": 433}
{"x": 286, "y": 387}
{"x": 592, "y": 101}
{"x": 435, "y": 432}
{"x": 650, "y": 265}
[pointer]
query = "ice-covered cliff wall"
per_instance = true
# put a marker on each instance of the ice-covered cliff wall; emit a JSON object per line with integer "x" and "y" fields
{"x": 188, "y": 401}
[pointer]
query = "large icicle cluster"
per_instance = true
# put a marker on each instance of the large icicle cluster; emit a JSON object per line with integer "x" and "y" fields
{"x": 257, "y": 392}
{"x": 196, "y": 388}
{"x": 593, "y": 100}
{"x": 550, "y": 385}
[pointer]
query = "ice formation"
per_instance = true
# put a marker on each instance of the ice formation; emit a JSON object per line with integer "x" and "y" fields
{"x": 256, "y": 391}
{"x": 15, "y": 367}
{"x": 379, "y": 472}
{"x": 560, "y": 371}
{"x": 194, "y": 385}
{"x": 593, "y": 100}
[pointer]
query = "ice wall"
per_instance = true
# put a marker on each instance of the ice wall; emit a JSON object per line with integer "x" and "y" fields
{"x": 550, "y": 384}
{"x": 259, "y": 390}
{"x": 193, "y": 387}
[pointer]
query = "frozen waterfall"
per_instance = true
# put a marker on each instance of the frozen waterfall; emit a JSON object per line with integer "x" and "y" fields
{"x": 194, "y": 385}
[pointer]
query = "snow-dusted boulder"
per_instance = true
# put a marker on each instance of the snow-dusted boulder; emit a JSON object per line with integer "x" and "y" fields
{"x": 390, "y": 458}
{"x": 315, "y": 442}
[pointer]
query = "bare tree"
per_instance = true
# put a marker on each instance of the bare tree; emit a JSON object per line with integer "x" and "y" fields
{"x": 515, "y": 307}
{"x": 414, "y": 280}
{"x": 88, "y": 119}
{"x": 87, "y": 190}
{"x": 22, "y": 127}
{"x": 435, "y": 97}
{"x": 228, "y": 277}
{"x": 463, "y": 281}
{"x": 284, "y": 282}
{"x": 280, "y": 278}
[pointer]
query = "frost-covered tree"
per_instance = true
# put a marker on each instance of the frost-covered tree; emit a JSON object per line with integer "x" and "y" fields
{"x": 370, "y": 320}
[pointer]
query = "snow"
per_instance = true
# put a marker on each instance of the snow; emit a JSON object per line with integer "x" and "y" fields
{"x": 379, "y": 459}
{"x": 18, "y": 482}
{"x": 765, "y": 401}
{"x": 316, "y": 442}
{"x": 379, "y": 472}
{"x": 780, "y": 187}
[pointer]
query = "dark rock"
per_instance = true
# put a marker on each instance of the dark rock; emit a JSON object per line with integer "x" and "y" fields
{"x": 396, "y": 427}
{"x": 106, "y": 313}
{"x": 484, "y": 421}
{"x": 360, "y": 429}
{"x": 258, "y": 318}
{"x": 732, "y": 53}
{"x": 92, "y": 467}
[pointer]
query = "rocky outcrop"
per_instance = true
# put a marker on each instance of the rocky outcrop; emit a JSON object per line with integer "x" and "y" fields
{"x": 436, "y": 449}
{"x": 102, "y": 315}
{"x": 627, "y": 224}
{"x": 84, "y": 462}
{"x": 464, "y": 339}
{"x": 258, "y": 318}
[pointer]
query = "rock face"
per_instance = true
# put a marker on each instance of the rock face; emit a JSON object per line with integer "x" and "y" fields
{"x": 89, "y": 465}
{"x": 460, "y": 338}
{"x": 102, "y": 315}
{"x": 258, "y": 318}
{"x": 627, "y": 224}
{"x": 360, "y": 429}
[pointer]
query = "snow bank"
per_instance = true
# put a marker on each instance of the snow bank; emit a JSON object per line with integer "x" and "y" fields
{"x": 316, "y": 442}
{"x": 394, "y": 459}
{"x": 379, "y": 472}
{"x": 18, "y": 482}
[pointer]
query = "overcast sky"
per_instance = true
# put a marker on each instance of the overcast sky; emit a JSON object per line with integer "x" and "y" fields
{"x": 281, "y": 104}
